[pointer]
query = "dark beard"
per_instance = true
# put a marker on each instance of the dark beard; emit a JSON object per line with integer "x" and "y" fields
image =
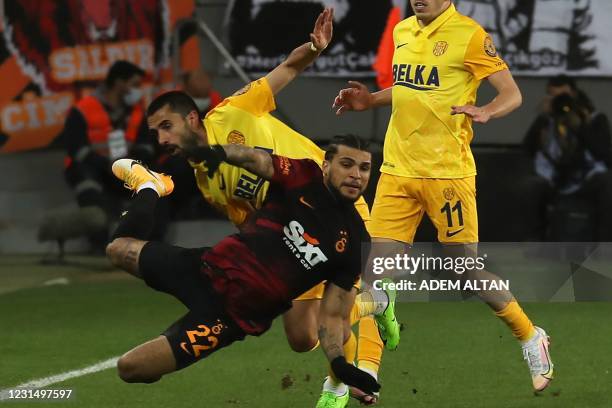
{"x": 340, "y": 199}
{"x": 190, "y": 144}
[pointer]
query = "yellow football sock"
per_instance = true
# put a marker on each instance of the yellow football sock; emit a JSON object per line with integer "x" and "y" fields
{"x": 350, "y": 349}
{"x": 517, "y": 321}
{"x": 355, "y": 316}
{"x": 370, "y": 345}
{"x": 365, "y": 304}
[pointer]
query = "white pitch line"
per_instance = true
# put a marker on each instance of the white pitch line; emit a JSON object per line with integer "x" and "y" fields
{"x": 54, "y": 379}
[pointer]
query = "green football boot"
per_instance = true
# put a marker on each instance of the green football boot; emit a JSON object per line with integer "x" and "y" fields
{"x": 330, "y": 400}
{"x": 388, "y": 327}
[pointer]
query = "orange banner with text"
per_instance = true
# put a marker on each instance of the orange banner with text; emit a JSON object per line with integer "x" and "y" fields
{"x": 52, "y": 52}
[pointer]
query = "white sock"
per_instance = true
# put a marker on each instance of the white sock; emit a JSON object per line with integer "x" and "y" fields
{"x": 148, "y": 184}
{"x": 338, "y": 389}
{"x": 369, "y": 371}
{"x": 381, "y": 300}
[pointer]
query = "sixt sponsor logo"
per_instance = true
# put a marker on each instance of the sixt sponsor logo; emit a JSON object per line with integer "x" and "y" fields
{"x": 419, "y": 77}
{"x": 303, "y": 246}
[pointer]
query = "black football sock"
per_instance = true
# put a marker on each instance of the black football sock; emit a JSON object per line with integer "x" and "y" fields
{"x": 137, "y": 222}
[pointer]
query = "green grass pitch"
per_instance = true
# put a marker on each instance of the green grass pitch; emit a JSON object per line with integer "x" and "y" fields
{"x": 451, "y": 354}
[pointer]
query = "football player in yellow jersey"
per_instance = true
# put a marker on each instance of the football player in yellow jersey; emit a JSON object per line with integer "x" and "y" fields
{"x": 244, "y": 118}
{"x": 440, "y": 59}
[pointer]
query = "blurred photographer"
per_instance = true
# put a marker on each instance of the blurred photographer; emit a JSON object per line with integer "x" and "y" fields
{"x": 570, "y": 145}
{"x": 101, "y": 127}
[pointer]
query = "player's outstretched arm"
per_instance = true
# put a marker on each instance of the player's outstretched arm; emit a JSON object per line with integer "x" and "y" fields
{"x": 358, "y": 98}
{"x": 335, "y": 307}
{"x": 507, "y": 100}
{"x": 333, "y": 324}
{"x": 257, "y": 161}
{"x": 304, "y": 55}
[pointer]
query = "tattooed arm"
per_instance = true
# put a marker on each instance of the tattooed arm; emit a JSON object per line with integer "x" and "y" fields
{"x": 333, "y": 320}
{"x": 257, "y": 161}
{"x": 334, "y": 328}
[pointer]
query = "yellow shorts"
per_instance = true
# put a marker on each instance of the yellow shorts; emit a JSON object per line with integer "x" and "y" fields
{"x": 362, "y": 208}
{"x": 317, "y": 291}
{"x": 400, "y": 203}
{"x": 314, "y": 293}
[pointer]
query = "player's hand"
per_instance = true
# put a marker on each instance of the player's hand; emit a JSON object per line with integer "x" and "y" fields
{"x": 323, "y": 30}
{"x": 362, "y": 397}
{"x": 355, "y": 98}
{"x": 478, "y": 115}
{"x": 351, "y": 375}
{"x": 212, "y": 156}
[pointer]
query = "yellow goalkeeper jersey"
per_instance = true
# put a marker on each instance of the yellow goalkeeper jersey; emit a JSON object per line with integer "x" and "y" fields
{"x": 244, "y": 118}
{"x": 434, "y": 68}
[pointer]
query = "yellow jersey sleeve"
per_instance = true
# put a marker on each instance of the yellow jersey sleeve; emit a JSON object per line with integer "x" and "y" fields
{"x": 481, "y": 57}
{"x": 255, "y": 98}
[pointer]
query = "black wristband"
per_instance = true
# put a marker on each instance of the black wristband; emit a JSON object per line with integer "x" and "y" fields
{"x": 351, "y": 375}
{"x": 338, "y": 363}
{"x": 210, "y": 153}
{"x": 220, "y": 152}
{"x": 212, "y": 156}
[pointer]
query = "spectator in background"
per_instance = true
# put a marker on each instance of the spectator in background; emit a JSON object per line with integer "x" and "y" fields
{"x": 558, "y": 85}
{"x": 198, "y": 85}
{"x": 383, "y": 66}
{"x": 570, "y": 143}
{"x": 101, "y": 128}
